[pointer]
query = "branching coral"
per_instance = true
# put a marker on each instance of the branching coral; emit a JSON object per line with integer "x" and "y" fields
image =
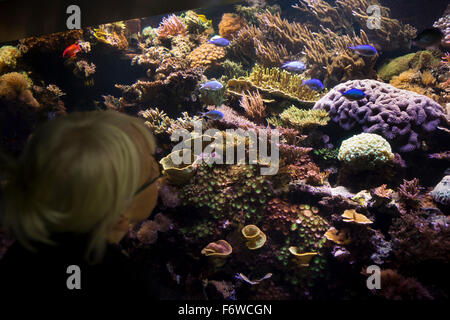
{"x": 409, "y": 193}
{"x": 253, "y": 105}
{"x": 390, "y": 34}
{"x": 15, "y": 87}
{"x": 230, "y": 25}
{"x": 301, "y": 119}
{"x": 275, "y": 83}
{"x": 171, "y": 26}
{"x": 157, "y": 121}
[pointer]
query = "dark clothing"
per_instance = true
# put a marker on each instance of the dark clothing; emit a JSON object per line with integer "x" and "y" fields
{"x": 45, "y": 274}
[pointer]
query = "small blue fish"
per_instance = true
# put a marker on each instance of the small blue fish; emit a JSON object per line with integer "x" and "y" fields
{"x": 219, "y": 41}
{"x": 294, "y": 66}
{"x": 365, "y": 50}
{"x": 314, "y": 84}
{"x": 213, "y": 115}
{"x": 211, "y": 85}
{"x": 353, "y": 94}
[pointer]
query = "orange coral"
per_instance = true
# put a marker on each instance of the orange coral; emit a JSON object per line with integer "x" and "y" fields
{"x": 15, "y": 86}
{"x": 254, "y": 105}
{"x": 230, "y": 25}
{"x": 353, "y": 216}
{"x": 340, "y": 237}
{"x": 206, "y": 55}
{"x": 171, "y": 26}
{"x": 148, "y": 232}
{"x": 218, "y": 248}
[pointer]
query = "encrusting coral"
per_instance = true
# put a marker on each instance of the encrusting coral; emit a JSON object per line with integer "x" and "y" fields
{"x": 207, "y": 56}
{"x": 402, "y": 117}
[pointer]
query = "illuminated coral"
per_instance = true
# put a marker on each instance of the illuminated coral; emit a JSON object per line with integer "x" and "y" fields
{"x": 301, "y": 119}
{"x": 254, "y": 236}
{"x": 409, "y": 192}
{"x": 196, "y": 23}
{"x": 112, "y": 35}
{"x": 441, "y": 193}
{"x": 341, "y": 237}
{"x": 179, "y": 173}
{"x": 49, "y": 43}
{"x": 171, "y": 26}
{"x": 401, "y": 116}
{"x": 207, "y": 55}
{"x": 156, "y": 120}
{"x": 253, "y": 105}
{"x": 444, "y": 25}
{"x": 16, "y": 86}
{"x": 365, "y": 151}
{"x": 8, "y": 58}
{"x": 218, "y": 252}
{"x": 355, "y": 217}
{"x": 230, "y": 25}
{"x": 302, "y": 258}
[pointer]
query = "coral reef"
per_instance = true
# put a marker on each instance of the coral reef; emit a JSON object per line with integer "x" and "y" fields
{"x": 253, "y": 105}
{"x": 16, "y": 87}
{"x": 301, "y": 119}
{"x": 365, "y": 151}
{"x": 254, "y": 237}
{"x": 207, "y": 55}
{"x": 8, "y": 58}
{"x": 171, "y": 26}
{"x": 444, "y": 25}
{"x": 391, "y": 34}
{"x": 441, "y": 193}
{"x": 402, "y": 117}
{"x": 230, "y": 24}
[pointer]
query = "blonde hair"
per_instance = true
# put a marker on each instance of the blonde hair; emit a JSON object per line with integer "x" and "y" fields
{"x": 77, "y": 174}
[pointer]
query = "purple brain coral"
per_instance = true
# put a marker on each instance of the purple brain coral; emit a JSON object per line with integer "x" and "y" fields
{"x": 401, "y": 116}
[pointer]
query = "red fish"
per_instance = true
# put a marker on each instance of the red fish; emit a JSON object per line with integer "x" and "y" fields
{"x": 71, "y": 51}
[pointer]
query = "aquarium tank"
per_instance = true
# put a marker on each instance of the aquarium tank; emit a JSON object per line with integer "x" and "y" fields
{"x": 305, "y": 143}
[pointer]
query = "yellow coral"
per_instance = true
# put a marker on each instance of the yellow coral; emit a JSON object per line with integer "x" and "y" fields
{"x": 427, "y": 78}
{"x": 340, "y": 237}
{"x": 230, "y": 25}
{"x": 302, "y": 258}
{"x": 206, "y": 55}
{"x": 355, "y": 217}
{"x": 300, "y": 119}
{"x": 255, "y": 237}
{"x": 8, "y": 58}
{"x": 16, "y": 86}
{"x": 178, "y": 169}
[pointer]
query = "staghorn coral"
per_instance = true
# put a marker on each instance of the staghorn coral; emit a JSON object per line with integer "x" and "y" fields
{"x": 441, "y": 193}
{"x": 206, "y": 56}
{"x": 253, "y": 105}
{"x": 402, "y": 117}
{"x": 390, "y": 35}
{"x": 15, "y": 87}
{"x": 230, "y": 25}
{"x": 8, "y": 58}
{"x": 171, "y": 26}
{"x": 365, "y": 151}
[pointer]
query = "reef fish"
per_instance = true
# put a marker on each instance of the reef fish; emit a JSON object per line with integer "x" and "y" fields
{"x": 365, "y": 50}
{"x": 294, "y": 66}
{"x": 353, "y": 94}
{"x": 429, "y": 38}
{"x": 213, "y": 115}
{"x": 211, "y": 85}
{"x": 314, "y": 84}
{"x": 71, "y": 51}
{"x": 241, "y": 276}
{"x": 219, "y": 41}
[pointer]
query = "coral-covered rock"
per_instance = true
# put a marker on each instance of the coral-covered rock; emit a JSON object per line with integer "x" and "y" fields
{"x": 444, "y": 24}
{"x": 230, "y": 25}
{"x": 400, "y": 116}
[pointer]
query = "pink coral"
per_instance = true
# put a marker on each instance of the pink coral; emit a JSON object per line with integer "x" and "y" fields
{"x": 171, "y": 26}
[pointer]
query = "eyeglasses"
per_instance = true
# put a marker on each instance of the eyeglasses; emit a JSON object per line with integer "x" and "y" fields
{"x": 150, "y": 182}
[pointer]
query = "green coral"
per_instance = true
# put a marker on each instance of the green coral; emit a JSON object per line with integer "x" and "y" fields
{"x": 8, "y": 58}
{"x": 157, "y": 120}
{"x": 419, "y": 61}
{"x": 232, "y": 70}
{"x": 327, "y": 154}
{"x": 195, "y": 23}
{"x": 236, "y": 192}
{"x": 300, "y": 118}
{"x": 365, "y": 151}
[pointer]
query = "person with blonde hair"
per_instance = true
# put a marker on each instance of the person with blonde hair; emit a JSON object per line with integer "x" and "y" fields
{"x": 81, "y": 182}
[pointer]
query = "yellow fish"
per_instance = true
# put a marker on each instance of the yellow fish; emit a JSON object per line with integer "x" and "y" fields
{"x": 203, "y": 18}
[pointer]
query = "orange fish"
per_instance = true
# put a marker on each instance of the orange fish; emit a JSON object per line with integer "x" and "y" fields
{"x": 71, "y": 51}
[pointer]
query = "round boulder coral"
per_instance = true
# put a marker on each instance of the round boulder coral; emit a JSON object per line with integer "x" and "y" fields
{"x": 441, "y": 193}
{"x": 365, "y": 151}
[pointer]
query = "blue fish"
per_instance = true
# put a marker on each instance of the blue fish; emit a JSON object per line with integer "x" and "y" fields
{"x": 294, "y": 66}
{"x": 314, "y": 84}
{"x": 365, "y": 50}
{"x": 211, "y": 85}
{"x": 213, "y": 115}
{"x": 353, "y": 94}
{"x": 218, "y": 41}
